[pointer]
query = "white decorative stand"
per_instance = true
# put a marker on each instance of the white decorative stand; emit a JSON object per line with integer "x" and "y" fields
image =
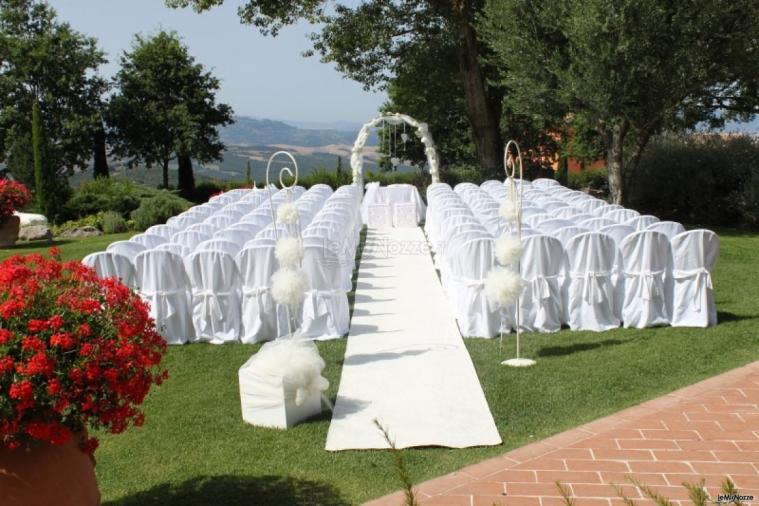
{"x": 516, "y": 194}
{"x": 282, "y": 384}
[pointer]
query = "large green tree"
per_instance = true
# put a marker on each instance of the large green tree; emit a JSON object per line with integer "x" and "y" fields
{"x": 627, "y": 69}
{"x": 379, "y": 43}
{"x": 164, "y": 108}
{"x": 46, "y": 62}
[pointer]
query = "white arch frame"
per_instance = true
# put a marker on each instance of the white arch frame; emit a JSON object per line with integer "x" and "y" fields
{"x": 422, "y": 131}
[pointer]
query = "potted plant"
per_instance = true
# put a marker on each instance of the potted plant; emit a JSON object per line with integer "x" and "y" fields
{"x": 13, "y": 196}
{"x": 77, "y": 352}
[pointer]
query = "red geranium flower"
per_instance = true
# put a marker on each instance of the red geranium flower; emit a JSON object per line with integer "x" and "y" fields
{"x": 76, "y": 352}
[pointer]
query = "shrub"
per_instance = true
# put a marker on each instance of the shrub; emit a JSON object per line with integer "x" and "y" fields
{"x": 76, "y": 352}
{"x": 92, "y": 220}
{"x": 106, "y": 194}
{"x": 113, "y": 223}
{"x": 593, "y": 179}
{"x": 13, "y": 196}
{"x": 157, "y": 209}
{"x": 706, "y": 179}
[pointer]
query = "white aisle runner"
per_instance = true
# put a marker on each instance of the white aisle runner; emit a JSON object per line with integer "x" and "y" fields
{"x": 405, "y": 363}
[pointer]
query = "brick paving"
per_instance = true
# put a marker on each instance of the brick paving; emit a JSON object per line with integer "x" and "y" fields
{"x": 709, "y": 430}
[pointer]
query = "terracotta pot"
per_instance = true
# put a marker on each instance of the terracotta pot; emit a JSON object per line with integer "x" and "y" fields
{"x": 9, "y": 228}
{"x": 48, "y": 475}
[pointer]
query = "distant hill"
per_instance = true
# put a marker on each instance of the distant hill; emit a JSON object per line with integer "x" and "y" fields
{"x": 247, "y": 131}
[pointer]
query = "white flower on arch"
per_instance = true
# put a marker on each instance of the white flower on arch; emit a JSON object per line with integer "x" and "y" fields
{"x": 422, "y": 131}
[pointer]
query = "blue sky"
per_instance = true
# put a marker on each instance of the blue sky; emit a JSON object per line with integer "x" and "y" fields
{"x": 261, "y": 76}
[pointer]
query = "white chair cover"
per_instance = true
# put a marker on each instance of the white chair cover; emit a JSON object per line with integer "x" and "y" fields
{"x": 541, "y": 305}
{"x": 668, "y": 228}
{"x": 646, "y": 262}
{"x": 262, "y": 319}
{"x": 325, "y": 313}
{"x": 228, "y": 247}
{"x": 216, "y": 286}
{"x": 165, "y": 231}
{"x": 640, "y": 223}
{"x": 596, "y": 224}
{"x": 694, "y": 255}
{"x": 164, "y": 286}
{"x": 548, "y": 227}
{"x": 470, "y": 261}
{"x": 590, "y": 302}
{"x": 148, "y": 240}
{"x": 110, "y": 264}
{"x": 174, "y": 247}
{"x": 129, "y": 249}
{"x": 564, "y": 234}
{"x": 621, "y": 215}
{"x": 190, "y": 238}
{"x": 379, "y": 216}
{"x": 618, "y": 233}
{"x": 204, "y": 228}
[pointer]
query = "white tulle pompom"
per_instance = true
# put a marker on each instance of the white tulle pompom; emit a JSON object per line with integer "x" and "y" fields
{"x": 509, "y": 211}
{"x": 502, "y": 286}
{"x": 289, "y": 252}
{"x": 288, "y": 286}
{"x": 287, "y": 214}
{"x": 299, "y": 364}
{"x": 508, "y": 249}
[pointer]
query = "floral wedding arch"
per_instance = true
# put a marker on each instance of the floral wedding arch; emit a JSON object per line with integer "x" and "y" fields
{"x": 422, "y": 131}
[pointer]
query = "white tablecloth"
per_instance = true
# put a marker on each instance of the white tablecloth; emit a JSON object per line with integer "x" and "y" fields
{"x": 393, "y": 194}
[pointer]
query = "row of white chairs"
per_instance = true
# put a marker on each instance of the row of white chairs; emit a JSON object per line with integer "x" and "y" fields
{"x": 554, "y": 281}
{"x": 219, "y": 293}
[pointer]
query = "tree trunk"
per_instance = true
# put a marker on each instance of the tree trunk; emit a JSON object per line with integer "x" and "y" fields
{"x": 185, "y": 176}
{"x": 165, "y": 167}
{"x": 40, "y": 183}
{"x": 100, "y": 164}
{"x": 480, "y": 111}
{"x": 614, "y": 138}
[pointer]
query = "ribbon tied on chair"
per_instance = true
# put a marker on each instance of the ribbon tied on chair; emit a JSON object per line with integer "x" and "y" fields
{"x": 703, "y": 282}
{"x": 593, "y": 288}
{"x": 652, "y": 283}
{"x": 259, "y": 293}
{"x": 209, "y": 300}
{"x": 541, "y": 288}
{"x": 159, "y": 301}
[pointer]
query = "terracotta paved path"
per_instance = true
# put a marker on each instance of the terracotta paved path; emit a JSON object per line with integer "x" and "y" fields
{"x": 709, "y": 430}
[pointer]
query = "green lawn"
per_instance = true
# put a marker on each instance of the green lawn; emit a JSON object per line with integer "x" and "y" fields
{"x": 71, "y": 249}
{"x": 195, "y": 449}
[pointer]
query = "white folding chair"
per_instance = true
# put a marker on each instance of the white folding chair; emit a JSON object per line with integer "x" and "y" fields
{"x": 618, "y": 233}
{"x": 164, "y": 286}
{"x": 216, "y": 286}
{"x": 694, "y": 255}
{"x": 646, "y": 262}
{"x": 204, "y": 228}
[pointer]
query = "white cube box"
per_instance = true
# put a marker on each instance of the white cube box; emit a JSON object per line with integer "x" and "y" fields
{"x": 404, "y": 215}
{"x": 266, "y": 403}
{"x": 380, "y": 216}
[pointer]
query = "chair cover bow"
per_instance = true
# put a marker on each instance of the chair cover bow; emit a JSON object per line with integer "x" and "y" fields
{"x": 703, "y": 282}
{"x": 593, "y": 287}
{"x": 652, "y": 283}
